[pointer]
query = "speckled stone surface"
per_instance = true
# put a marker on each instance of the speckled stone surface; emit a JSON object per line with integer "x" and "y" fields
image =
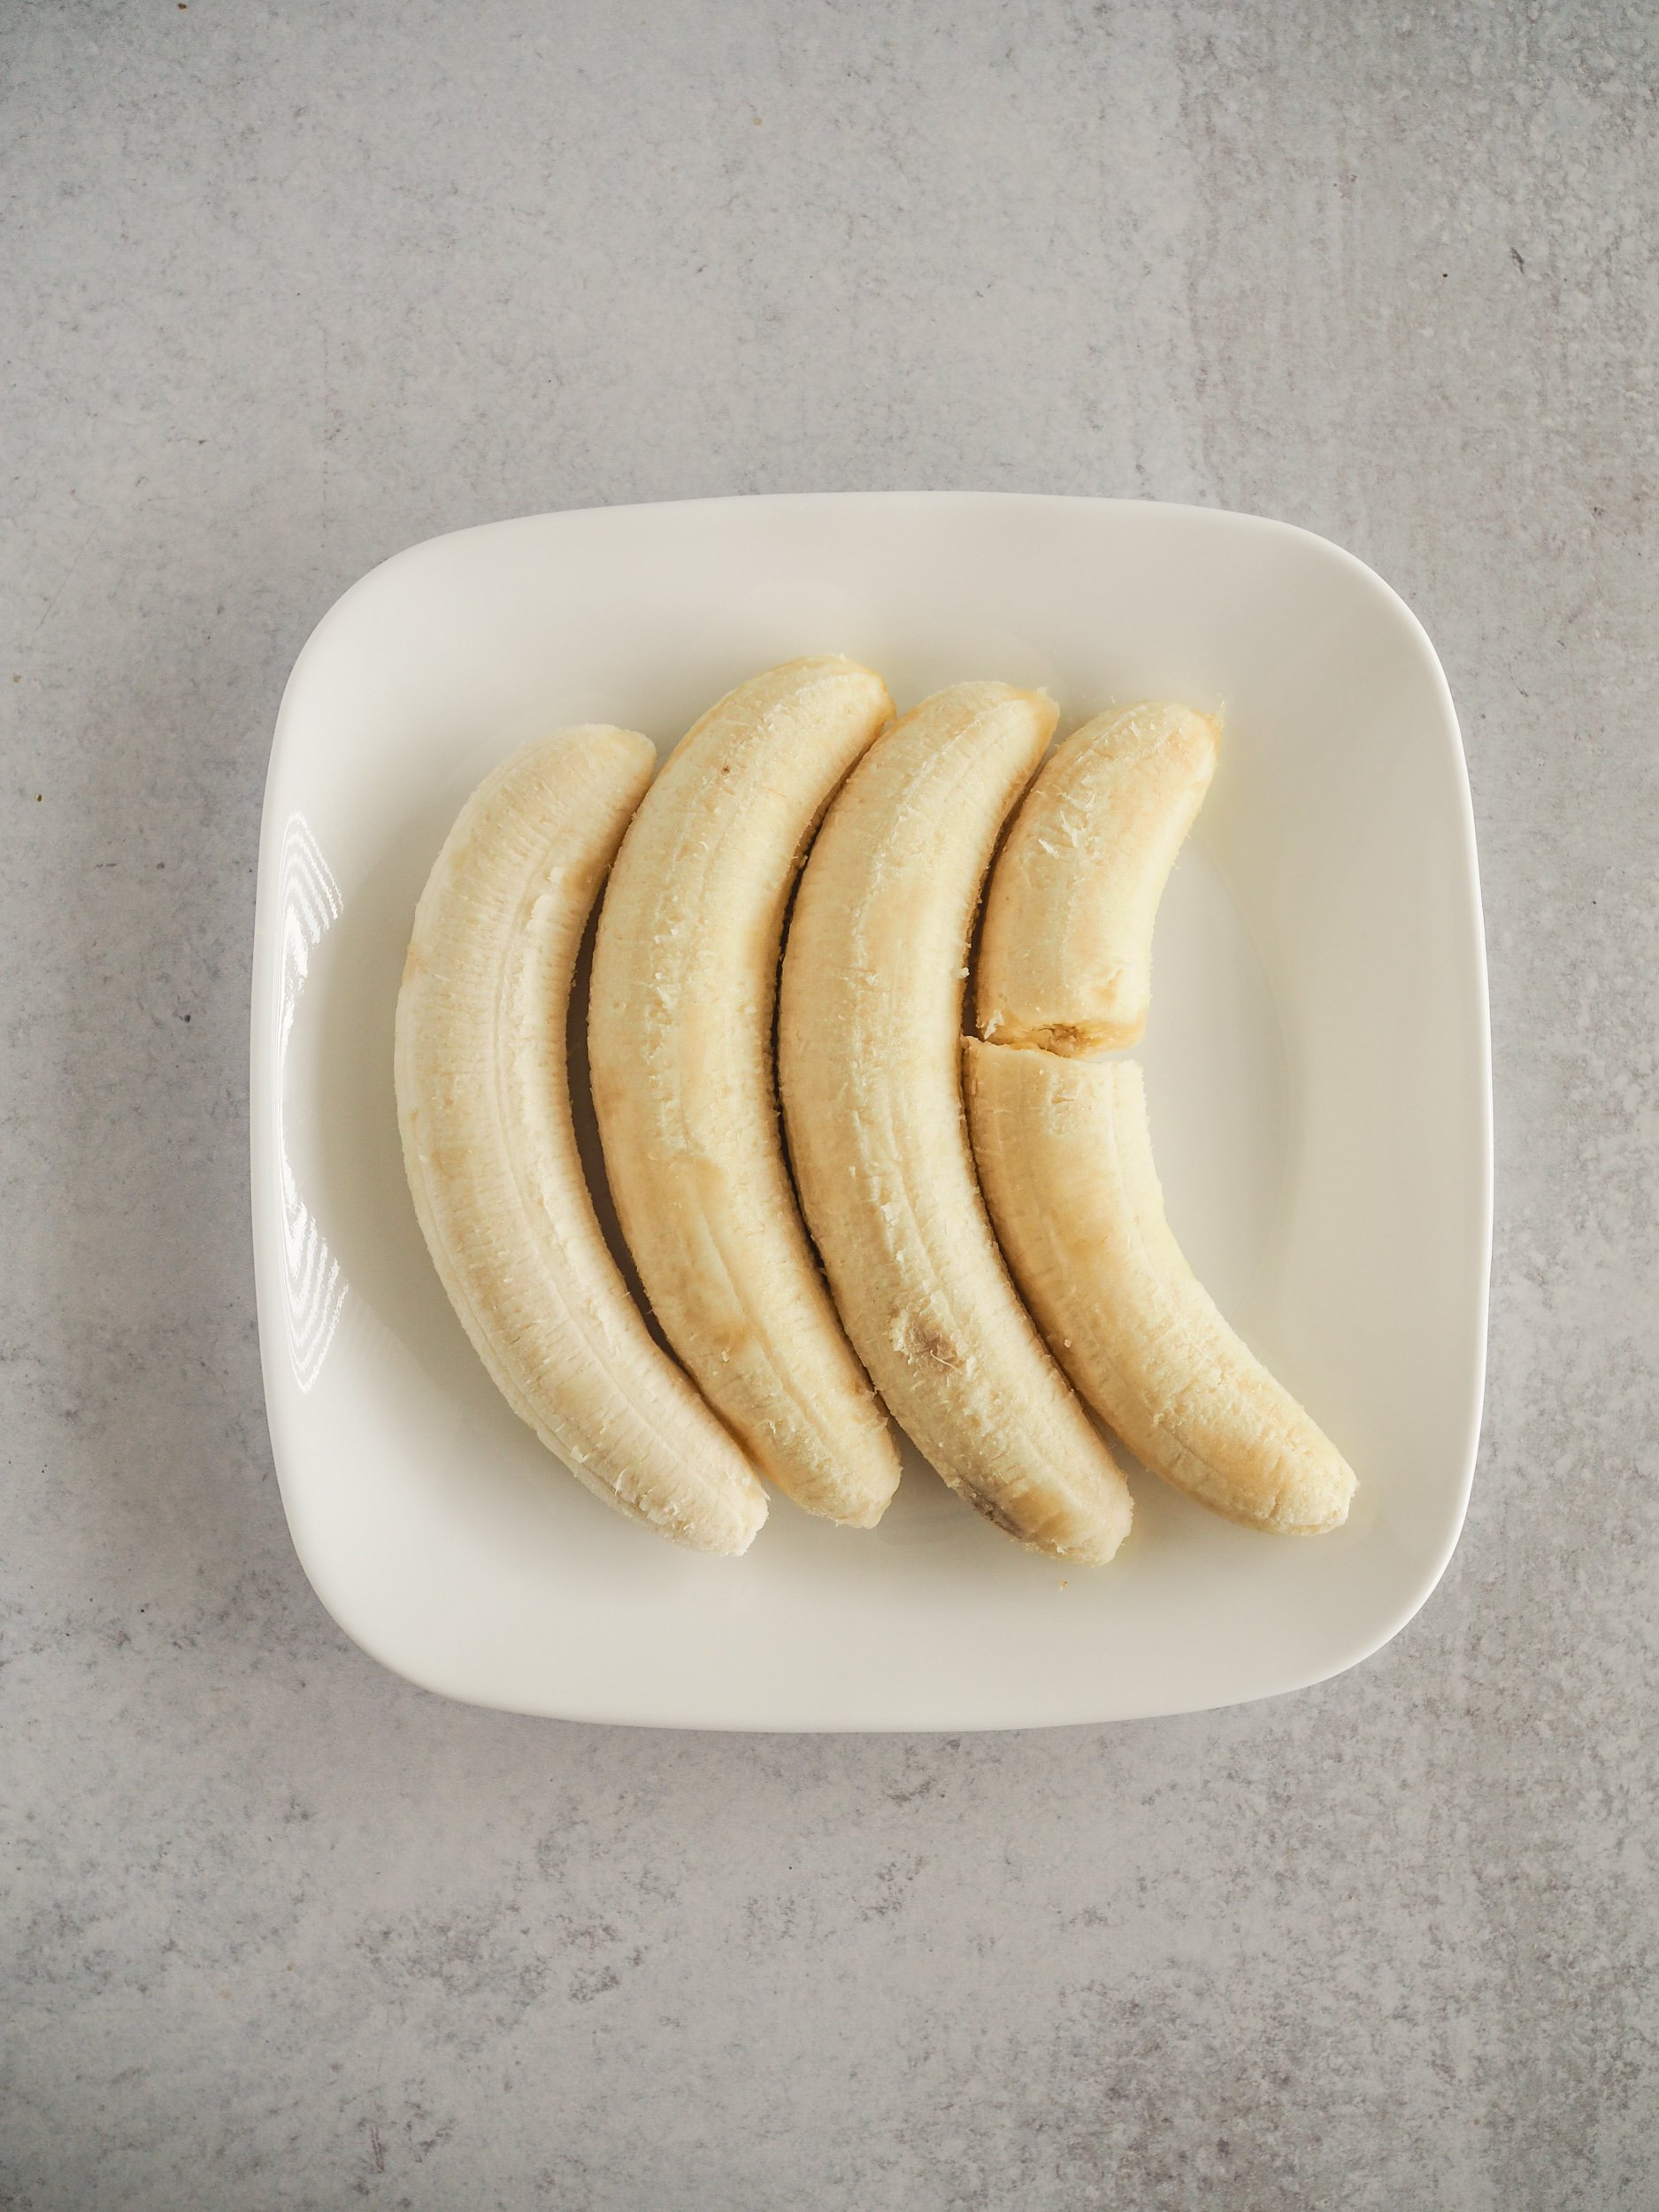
{"x": 298, "y": 285}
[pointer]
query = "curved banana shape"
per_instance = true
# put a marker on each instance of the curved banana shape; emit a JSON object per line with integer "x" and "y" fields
{"x": 483, "y": 1099}
{"x": 680, "y": 1046}
{"x": 869, "y": 1045}
{"x": 1065, "y": 959}
{"x": 1066, "y": 1165}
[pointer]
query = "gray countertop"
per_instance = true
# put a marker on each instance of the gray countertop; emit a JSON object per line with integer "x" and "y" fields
{"x": 298, "y": 285}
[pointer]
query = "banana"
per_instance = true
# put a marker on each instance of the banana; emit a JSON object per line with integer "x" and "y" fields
{"x": 1065, "y": 958}
{"x": 869, "y": 1043}
{"x": 680, "y": 1046}
{"x": 483, "y": 1099}
{"x": 1066, "y": 1164}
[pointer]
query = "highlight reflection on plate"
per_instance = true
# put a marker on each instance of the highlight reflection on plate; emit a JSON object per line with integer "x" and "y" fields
{"x": 314, "y": 1289}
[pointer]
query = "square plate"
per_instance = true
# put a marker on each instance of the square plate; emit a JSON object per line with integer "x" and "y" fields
{"x": 1316, "y": 1060}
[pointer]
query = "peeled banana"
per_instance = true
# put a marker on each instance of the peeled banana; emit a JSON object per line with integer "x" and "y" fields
{"x": 1066, "y": 1165}
{"x": 868, "y": 1046}
{"x": 1065, "y": 957}
{"x": 483, "y": 1099}
{"x": 680, "y": 1046}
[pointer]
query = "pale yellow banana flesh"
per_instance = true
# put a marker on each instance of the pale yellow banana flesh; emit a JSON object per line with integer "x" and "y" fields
{"x": 1065, "y": 1161}
{"x": 681, "y": 1047}
{"x": 1065, "y": 956}
{"x": 869, "y": 1050}
{"x": 483, "y": 1098}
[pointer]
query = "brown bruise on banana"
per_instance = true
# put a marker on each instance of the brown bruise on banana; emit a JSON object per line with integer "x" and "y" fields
{"x": 918, "y": 1339}
{"x": 989, "y": 1509}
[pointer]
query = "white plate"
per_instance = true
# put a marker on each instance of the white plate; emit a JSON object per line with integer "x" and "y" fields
{"x": 1317, "y": 1062}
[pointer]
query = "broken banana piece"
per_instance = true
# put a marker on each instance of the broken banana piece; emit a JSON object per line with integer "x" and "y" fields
{"x": 1065, "y": 1161}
